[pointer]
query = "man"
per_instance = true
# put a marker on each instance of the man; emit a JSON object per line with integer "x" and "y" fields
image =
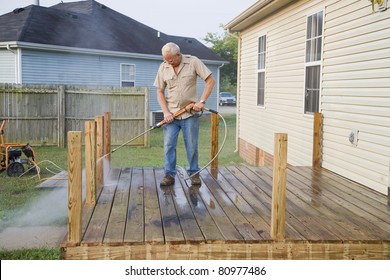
{"x": 178, "y": 73}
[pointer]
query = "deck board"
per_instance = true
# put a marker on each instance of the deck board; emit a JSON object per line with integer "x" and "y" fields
{"x": 342, "y": 229}
{"x": 153, "y": 222}
{"x": 365, "y": 221}
{"x": 310, "y": 200}
{"x": 238, "y": 220}
{"x": 227, "y": 184}
{"x": 220, "y": 218}
{"x": 189, "y": 224}
{"x": 206, "y": 224}
{"x": 170, "y": 220}
{"x": 327, "y": 217}
{"x": 299, "y": 215}
{"x": 117, "y": 220}
{"x": 134, "y": 228}
{"x": 96, "y": 229}
{"x": 261, "y": 191}
{"x": 339, "y": 218}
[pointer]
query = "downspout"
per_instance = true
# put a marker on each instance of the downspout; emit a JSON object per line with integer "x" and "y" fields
{"x": 238, "y": 84}
{"x": 218, "y": 82}
{"x": 17, "y": 63}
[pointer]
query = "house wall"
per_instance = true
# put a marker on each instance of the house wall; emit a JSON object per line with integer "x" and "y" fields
{"x": 356, "y": 92}
{"x": 284, "y": 92}
{"x": 41, "y": 67}
{"x": 7, "y": 66}
{"x": 355, "y": 88}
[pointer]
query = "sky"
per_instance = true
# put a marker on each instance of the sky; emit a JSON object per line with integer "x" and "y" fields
{"x": 187, "y": 18}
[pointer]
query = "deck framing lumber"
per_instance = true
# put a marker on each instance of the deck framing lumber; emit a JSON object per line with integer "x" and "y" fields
{"x": 229, "y": 217}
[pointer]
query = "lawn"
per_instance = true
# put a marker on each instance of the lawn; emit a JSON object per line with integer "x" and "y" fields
{"x": 17, "y": 192}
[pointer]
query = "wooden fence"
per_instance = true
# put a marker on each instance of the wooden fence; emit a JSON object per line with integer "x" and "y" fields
{"x": 43, "y": 114}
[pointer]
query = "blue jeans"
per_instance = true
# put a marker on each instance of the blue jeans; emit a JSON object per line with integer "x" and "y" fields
{"x": 190, "y": 131}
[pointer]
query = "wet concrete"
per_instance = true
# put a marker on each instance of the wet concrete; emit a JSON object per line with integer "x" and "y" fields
{"x": 28, "y": 237}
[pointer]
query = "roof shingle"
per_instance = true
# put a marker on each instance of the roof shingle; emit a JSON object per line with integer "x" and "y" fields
{"x": 91, "y": 25}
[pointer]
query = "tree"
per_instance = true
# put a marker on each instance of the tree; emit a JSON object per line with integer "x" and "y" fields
{"x": 225, "y": 46}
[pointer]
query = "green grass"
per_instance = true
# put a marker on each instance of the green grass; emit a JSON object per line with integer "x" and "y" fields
{"x": 153, "y": 156}
{"x": 31, "y": 254}
{"x": 17, "y": 192}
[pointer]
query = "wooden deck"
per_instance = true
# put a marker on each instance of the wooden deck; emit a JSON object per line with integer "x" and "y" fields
{"x": 327, "y": 217}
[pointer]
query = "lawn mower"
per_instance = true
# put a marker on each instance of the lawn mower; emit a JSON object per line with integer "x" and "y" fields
{"x": 12, "y": 158}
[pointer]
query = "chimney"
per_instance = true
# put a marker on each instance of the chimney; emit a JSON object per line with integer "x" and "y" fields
{"x": 36, "y": 2}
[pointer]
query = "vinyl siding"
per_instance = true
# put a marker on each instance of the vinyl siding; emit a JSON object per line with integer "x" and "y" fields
{"x": 7, "y": 67}
{"x": 77, "y": 69}
{"x": 283, "y": 110}
{"x": 356, "y": 93}
{"x": 41, "y": 67}
{"x": 355, "y": 90}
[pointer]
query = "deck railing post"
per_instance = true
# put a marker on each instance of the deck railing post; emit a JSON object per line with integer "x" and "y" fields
{"x": 214, "y": 144}
{"x": 107, "y": 137}
{"x": 90, "y": 162}
{"x": 278, "y": 213}
{"x": 317, "y": 140}
{"x": 74, "y": 186}
{"x": 61, "y": 116}
{"x": 99, "y": 150}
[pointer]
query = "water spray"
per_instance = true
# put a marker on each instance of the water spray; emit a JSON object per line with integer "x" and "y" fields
{"x": 187, "y": 109}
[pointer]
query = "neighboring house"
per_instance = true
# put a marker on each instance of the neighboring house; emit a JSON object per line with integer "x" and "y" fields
{"x": 301, "y": 57}
{"x": 87, "y": 43}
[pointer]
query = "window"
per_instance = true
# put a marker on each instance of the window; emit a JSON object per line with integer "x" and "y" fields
{"x": 313, "y": 62}
{"x": 312, "y": 88}
{"x": 127, "y": 75}
{"x": 261, "y": 58}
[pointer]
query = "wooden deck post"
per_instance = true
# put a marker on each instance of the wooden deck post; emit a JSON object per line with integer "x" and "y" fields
{"x": 317, "y": 140}
{"x": 107, "y": 137}
{"x": 278, "y": 213}
{"x": 74, "y": 186}
{"x": 61, "y": 116}
{"x": 214, "y": 144}
{"x": 99, "y": 150}
{"x": 90, "y": 162}
{"x": 146, "y": 116}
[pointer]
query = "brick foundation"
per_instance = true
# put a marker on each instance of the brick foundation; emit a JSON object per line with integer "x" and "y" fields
{"x": 254, "y": 155}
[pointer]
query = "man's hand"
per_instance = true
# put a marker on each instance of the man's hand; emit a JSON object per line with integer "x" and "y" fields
{"x": 198, "y": 106}
{"x": 168, "y": 117}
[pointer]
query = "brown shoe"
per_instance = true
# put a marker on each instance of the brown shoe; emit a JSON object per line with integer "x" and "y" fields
{"x": 168, "y": 180}
{"x": 195, "y": 180}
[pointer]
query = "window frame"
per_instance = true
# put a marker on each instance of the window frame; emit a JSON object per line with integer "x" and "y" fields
{"x": 122, "y": 65}
{"x": 316, "y": 62}
{"x": 261, "y": 70}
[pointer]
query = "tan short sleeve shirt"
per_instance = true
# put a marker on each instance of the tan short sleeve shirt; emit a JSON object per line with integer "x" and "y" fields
{"x": 181, "y": 87}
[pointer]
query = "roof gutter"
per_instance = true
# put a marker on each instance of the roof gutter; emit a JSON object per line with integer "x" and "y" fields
{"x": 254, "y": 13}
{"x": 9, "y": 49}
{"x": 36, "y": 46}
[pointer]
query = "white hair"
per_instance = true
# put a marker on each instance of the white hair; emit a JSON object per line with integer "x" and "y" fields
{"x": 171, "y": 48}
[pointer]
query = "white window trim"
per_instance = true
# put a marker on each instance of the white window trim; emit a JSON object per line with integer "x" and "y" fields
{"x": 121, "y": 68}
{"x": 263, "y": 70}
{"x": 313, "y": 63}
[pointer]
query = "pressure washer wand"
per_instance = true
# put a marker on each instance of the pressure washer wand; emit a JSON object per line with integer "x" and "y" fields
{"x": 187, "y": 108}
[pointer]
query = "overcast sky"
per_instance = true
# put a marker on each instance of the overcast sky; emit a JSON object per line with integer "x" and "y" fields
{"x": 187, "y": 18}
